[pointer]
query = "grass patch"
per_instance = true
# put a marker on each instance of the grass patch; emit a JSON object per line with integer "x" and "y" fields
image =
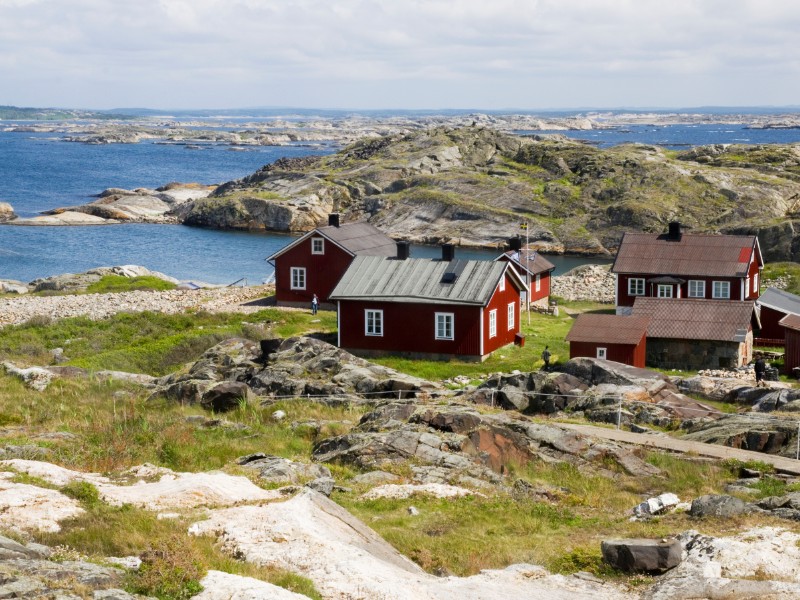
{"x": 118, "y": 283}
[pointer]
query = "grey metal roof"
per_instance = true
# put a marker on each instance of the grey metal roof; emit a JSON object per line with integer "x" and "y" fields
{"x": 419, "y": 280}
{"x": 780, "y": 300}
{"x": 356, "y": 238}
{"x": 608, "y": 329}
{"x": 695, "y": 319}
{"x": 699, "y": 255}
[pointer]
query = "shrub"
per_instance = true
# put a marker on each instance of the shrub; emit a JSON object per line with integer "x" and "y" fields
{"x": 83, "y": 491}
{"x": 170, "y": 570}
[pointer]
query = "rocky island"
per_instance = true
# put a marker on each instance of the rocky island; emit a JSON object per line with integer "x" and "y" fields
{"x": 474, "y": 185}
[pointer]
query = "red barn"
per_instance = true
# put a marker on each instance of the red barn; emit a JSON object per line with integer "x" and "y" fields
{"x": 535, "y": 269}
{"x": 620, "y": 338}
{"x": 773, "y": 305}
{"x": 314, "y": 263}
{"x": 428, "y": 308}
{"x": 791, "y": 355}
{"x": 678, "y": 265}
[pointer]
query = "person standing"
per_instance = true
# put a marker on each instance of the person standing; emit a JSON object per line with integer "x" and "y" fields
{"x": 760, "y": 368}
{"x": 314, "y": 304}
{"x": 546, "y": 358}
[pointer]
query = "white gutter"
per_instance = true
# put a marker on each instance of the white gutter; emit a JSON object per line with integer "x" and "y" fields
{"x": 480, "y": 349}
{"x": 338, "y": 324}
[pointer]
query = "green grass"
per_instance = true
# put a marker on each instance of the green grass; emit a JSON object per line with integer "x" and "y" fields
{"x": 784, "y": 269}
{"x": 152, "y": 343}
{"x": 118, "y": 283}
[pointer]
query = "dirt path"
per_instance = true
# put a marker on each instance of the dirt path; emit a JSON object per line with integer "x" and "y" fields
{"x": 664, "y": 442}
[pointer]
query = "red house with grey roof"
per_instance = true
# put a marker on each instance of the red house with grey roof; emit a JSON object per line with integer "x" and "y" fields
{"x": 314, "y": 263}
{"x": 681, "y": 265}
{"x": 436, "y": 308}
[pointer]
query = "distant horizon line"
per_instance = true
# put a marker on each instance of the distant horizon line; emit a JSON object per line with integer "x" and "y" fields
{"x": 761, "y": 108}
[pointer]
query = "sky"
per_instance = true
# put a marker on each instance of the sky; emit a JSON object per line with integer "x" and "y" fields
{"x": 399, "y": 54}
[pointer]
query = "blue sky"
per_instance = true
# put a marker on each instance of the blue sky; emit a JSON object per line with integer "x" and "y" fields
{"x": 490, "y": 54}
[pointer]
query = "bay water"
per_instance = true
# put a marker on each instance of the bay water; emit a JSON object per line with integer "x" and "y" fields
{"x": 39, "y": 171}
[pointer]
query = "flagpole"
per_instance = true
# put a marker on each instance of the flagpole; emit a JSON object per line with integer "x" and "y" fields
{"x": 527, "y": 264}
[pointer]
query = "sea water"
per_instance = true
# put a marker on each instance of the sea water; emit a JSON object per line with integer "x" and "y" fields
{"x": 38, "y": 172}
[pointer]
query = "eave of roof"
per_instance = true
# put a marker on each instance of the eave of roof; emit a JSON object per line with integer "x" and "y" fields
{"x": 780, "y": 300}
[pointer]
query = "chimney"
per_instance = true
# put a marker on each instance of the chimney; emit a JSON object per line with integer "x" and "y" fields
{"x": 403, "y": 250}
{"x": 515, "y": 243}
{"x": 448, "y": 252}
{"x": 674, "y": 231}
{"x": 333, "y": 219}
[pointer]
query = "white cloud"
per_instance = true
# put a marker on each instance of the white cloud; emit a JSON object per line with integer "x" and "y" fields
{"x": 417, "y": 53}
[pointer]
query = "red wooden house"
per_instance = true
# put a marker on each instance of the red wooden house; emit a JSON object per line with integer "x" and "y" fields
{"x": 314, "y": 263}
{"x": 620, "y": 338}
{"x": 678, "y": 265}
{"x": 773, "y": 305}
{"x": 534, "y": 268}
{"x": 440, "y": 308}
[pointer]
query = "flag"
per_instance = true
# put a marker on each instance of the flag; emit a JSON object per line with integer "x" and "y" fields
{"x": 523, "y": 225}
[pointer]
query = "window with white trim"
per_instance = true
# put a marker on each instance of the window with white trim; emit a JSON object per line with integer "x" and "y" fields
{"x": 664, "y": 290}
{"x": 445, "y": 326}
{"x": 502, "y": 285}
{"x": 755, "y": 282}
{"x": 511, "y": 315}
{"x": 493, "y": 323}
{"x": 373, "y": 322}
{"x": 697, "y": 288}
{"x": 722, "y": 290}
{"x": 538, "y": 282}
{"x": 602, "y": 353}
{"x": 298, "y": 276}
{"x": 636, "y": 286}
{"x": 317, "y": 245}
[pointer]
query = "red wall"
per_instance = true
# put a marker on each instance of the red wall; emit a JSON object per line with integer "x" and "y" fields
{"x": 623, "y": 353}
{"x": 409, "y": 328}
{"x": 769, "y": 323}
{"x": 323, "y": 271}
{"x": 791, "y": 356}
{"x": 651, "y": 290}
{"x": 752, "y": 272}
{"x": 544, "y": 292}
{"x": 500, "y": 301}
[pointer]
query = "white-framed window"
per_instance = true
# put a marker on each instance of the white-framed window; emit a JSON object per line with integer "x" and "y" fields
{"x": 511, "y": 315}
{"x": 445, "y": 329}
{"x": 523, "y": 299}
{"x": 538, "y": 282}
{"x": 493, "y": 323}
{"x": 697, "y": 288}
{"x": 636, "y": 286}
{"x": 602, "y": 353}
{"x": 755, "y": 282}
{"x": 317, "y": 245}
{"x": 664, "y": 290}
{"x": 298, "y": 275}
{"x": 373, "y": 322}
{"x": 722, "y": 289}
{"x": 502, "y": 285}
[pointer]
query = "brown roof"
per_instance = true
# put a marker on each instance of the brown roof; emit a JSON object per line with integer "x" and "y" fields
{"x": 695, "y": 319}
{"x": 790, "y": 322}
{"x": 699, "y": 255}
{"x": 533, "y": 261}
{"x": 359, "y": 239}
{"x": 610, "y": 329}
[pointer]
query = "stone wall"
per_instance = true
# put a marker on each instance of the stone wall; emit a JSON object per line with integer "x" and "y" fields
{"x": 693, "y": 354}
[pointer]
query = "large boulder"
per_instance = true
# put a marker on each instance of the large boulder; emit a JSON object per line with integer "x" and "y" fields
{"x": 642, "y": 555}
{"x": 765, "y": 434}
{"x": 226, "y": 396}
{"x": 594, "y": 371}
{"x": 716, "y": 505}
{"x": 6, "y": 212}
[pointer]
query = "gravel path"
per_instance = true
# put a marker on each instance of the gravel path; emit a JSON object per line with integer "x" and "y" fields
{"x": 15, "y": 310}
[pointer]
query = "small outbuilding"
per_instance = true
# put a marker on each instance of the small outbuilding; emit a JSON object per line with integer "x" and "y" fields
{"x": 791, "y": 355}
{"x": 694, "y": 334}
{"x": 773, "y": 305}
{"x": 612, "y": 337}
{"x": 535, "y": 269}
